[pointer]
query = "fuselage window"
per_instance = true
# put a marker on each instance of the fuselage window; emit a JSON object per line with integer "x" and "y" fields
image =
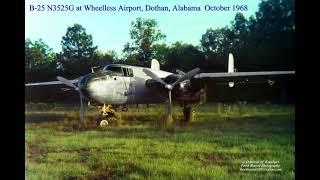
{"x": 119, "y": 71}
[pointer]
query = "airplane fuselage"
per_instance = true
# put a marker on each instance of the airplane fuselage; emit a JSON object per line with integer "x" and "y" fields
{"x": 121, "y": 84}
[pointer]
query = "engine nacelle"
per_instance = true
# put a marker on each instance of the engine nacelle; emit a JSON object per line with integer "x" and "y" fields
{"x": 192, "y": 97}
{"x": 182, "y": 92}
{"x": 171, "y": 78}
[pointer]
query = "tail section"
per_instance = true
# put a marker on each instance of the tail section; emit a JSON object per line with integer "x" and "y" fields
{"x": 155, "y": 65}
{"x": 231, "y": 67}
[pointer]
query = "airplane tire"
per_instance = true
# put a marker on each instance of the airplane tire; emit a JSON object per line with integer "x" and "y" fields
{"x": 104, "y": 123}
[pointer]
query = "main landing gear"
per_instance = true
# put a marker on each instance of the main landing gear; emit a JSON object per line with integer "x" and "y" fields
{"x": 108, "y": 115}
{"x": 188, "y": 113}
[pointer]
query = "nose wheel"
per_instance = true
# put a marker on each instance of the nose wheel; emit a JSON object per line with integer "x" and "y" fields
{"x": 108, "y": 116}
{"x": 104, "y": 123}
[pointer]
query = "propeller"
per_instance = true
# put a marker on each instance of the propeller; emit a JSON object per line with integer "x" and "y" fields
{"x": 186, "y": 76}
{"x": 70, "y": 84}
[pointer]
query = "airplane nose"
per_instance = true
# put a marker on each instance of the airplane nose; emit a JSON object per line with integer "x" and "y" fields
{"x": 96, "y": 87}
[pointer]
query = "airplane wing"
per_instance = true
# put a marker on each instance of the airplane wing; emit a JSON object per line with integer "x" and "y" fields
{"x": 243, "y": 76}
{"x": 49, "y": 83}
{"x": 233, "y": 78}
{"x": 248, "y": 77}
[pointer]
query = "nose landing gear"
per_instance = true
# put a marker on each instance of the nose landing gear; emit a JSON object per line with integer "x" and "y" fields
{"x": 104, "y": 123}
{"x": 108, "y": 116}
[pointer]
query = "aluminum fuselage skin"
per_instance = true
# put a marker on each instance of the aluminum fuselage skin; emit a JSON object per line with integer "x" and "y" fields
{"x": 108, "y": 88}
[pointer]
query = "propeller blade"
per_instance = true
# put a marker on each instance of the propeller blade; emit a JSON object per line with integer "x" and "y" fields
{"x": 70, "y": 84}
{"x": 81, "y": 105}
{"x": 153, "y": 76}
{"x": 67, "y": 82}
{"x": 186, "y": 76}
{"x": 170, "y": 104}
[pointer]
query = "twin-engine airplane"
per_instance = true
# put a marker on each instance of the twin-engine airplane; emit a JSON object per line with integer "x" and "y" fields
{"x": 117, "y": 84}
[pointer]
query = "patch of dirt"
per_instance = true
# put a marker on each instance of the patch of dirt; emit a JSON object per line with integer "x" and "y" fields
{"x": 222, "y": 159}
{"x": 78, "y": 150}
{"x": 70, "y": 177}
{"x": 71, "y": 125}
{"x": 218, "y": 158}
{"x": 134, "y": 122}
{"x": 100, "y": 171}
{"x": 34, "y": 151}
{"x": 88, "y": 123}
{"x": 212, "y": 158}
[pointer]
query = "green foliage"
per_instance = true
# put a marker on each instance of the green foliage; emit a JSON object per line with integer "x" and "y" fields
{"x": 217, "y": 41}
{"x": 37, "y": 55}
{"x": 103, "y": 58}
{"x": 78, "y": 52}
{"x": 77, "y": 44}
{"x": 241, "y": 34}
{"x": 264, "y": 42}
{"x": 190, "y": 55}
{"x": 144, "y": 34}
{"x": 133, "y": 61}
{"x": 39, "y": 60}
{"x": 275, "y": 16}
{"x": 271, "y": 37}
{"x": 160, "y": 52}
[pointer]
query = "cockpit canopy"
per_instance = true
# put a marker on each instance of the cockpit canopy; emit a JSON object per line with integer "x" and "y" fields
{"x": 118, "y": 70}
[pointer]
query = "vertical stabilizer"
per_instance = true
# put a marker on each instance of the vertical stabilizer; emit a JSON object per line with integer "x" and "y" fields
{"x": 155, "y": 65}
{"x": 231, "y": 67}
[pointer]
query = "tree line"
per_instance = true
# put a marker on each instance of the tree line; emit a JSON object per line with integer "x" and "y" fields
{"x": 265, "y": 41}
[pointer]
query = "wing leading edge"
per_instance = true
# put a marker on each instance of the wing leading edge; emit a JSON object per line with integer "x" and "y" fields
{"x": 240, "y": 76}
{"x": 49, "y": 83}
{"x": 235, "y": 75}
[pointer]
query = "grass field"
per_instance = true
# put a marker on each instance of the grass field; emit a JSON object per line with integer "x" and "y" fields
{"x": 213, "y": 146}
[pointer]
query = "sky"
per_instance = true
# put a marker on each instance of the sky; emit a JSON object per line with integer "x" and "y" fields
{"x": 110, "y": 30}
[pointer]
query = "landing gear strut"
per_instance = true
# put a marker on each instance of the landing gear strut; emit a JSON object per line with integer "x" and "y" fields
{"x": 108, "y": 115}
{"x": 188, "y": 114}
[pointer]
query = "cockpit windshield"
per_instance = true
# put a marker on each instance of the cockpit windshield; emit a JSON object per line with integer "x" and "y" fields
{"x": 115, "y": 69}
{"x": 102, "y": 75}
{"x": 118, "y": 70}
